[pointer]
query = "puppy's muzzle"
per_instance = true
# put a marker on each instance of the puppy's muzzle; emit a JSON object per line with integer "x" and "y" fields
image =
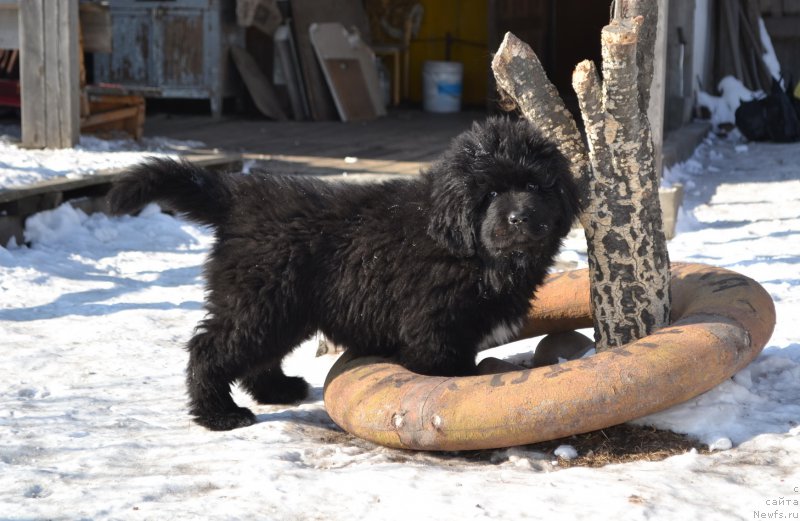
{"x": 520, "y": 221}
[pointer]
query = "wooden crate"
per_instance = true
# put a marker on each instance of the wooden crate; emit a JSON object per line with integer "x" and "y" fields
{"x": 107, "y": 112}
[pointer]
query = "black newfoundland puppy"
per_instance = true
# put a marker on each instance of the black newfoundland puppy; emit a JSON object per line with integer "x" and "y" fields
{"x": 427, "y": 271}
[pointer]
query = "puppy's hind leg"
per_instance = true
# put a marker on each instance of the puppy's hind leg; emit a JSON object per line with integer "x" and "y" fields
{"x": 272, "y": 386}
{"x": 212, "y": 368}
{"x": 265, "y": 381}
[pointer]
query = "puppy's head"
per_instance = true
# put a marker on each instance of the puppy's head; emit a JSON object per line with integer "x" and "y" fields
{"x": 501, "y": 189}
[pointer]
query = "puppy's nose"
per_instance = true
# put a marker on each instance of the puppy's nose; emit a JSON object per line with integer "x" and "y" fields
{"x": 517, "y": 217}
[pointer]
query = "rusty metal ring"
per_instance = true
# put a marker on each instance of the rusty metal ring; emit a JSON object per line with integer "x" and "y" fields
{"x": 720, "y": 322}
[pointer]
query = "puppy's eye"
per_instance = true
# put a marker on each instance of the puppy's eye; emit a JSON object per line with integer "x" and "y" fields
{"x": 533, "y": 187}
{"x": 492, "y": 195}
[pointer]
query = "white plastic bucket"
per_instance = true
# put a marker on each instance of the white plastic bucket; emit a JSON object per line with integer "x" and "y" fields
{"x": 441, "y": 82}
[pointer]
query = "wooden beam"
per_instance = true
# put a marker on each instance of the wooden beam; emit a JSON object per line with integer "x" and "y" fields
{"x": 206, "y": 159}
{"x": 652, "y": 68}
{"x": 658, "y": 88}
{"x": 49, "y": 69}
{"x": 111, "y": 115}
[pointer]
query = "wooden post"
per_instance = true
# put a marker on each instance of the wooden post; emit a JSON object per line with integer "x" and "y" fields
{"x": 49, "y": 69}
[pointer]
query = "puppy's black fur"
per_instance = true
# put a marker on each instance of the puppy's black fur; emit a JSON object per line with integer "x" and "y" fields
{"x": 426, "y": 271}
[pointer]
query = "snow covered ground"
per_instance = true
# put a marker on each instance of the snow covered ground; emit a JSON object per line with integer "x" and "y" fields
{"x": 93, "y": 316}
{"x": 21, "y": 167}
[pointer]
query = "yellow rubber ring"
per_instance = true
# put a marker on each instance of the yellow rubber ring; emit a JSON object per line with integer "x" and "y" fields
{"x": 720, "y": 322}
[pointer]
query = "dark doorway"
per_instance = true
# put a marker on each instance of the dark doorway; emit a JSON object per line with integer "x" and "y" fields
{"x": 562, "y": 33}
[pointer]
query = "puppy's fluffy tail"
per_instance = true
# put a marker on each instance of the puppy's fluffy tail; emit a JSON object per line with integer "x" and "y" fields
{"x": 201, "y": 195}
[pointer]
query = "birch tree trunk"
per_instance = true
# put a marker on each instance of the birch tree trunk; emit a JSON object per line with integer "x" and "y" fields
{"x": 628, "y": 259}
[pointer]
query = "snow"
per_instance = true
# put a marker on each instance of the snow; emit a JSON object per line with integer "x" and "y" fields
{"x": 723, "y": 108}
{"x": 21, "y": 167}
{"x": 733, "y": 92}
{"x": 769, "y": 56}
{"x": 567, "y": 452}
{"x": 93, "y": 425}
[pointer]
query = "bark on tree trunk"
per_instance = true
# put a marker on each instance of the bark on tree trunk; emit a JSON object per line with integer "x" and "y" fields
{"x": 626, "y": 246}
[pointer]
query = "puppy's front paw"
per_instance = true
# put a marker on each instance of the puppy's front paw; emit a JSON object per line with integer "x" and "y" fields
{"x": 225, "y": 420}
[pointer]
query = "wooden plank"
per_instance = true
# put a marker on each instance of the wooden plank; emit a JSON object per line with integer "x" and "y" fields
{"x": 49, "y": 73}
{"x": 69, "y": 60}
{"x": 306, "y": 12}
{"x": 56, "y": 185}
{"x": 108, "y": 112}
{"x": 62, "y": 69}
{"x": 319, "y": 97}
{"x": 11, "y": 61}
{"x": 287, "y": 52}
{"x": 108, "y": 116}
{"x": 11, "y": 226}
{"x": 60, "y": 184}
{"x": 122, "y": 90}
{"x": 104, "y": 101}
{"x": 349, "y": 68}
{"x": 328, "y": 167}
{"x": 658, "y": 87}
{"x": 345, "y": 78}
{"x": 31, "y": 41}
{"x": 258, "y": 85}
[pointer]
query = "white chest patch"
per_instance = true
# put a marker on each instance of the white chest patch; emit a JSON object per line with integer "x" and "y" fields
{"x": 501, "y": 334}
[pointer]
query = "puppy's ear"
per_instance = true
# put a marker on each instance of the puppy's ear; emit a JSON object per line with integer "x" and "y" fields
{"x": 451, "y": 213}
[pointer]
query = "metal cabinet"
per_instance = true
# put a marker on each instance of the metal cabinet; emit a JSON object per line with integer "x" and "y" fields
{"x": 173, "y": 49}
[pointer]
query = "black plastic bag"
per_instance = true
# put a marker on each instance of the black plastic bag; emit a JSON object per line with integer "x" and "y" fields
{"x": 772, "y": 118}
{"x": 751, "y": 120}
